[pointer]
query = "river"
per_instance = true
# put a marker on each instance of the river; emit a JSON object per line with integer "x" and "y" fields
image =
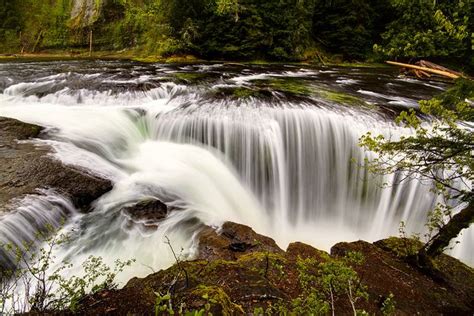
{"x": 274, "y": 147}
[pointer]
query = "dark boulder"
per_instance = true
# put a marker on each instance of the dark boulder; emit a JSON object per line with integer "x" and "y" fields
{"x": 151, "y": 211}
{"x": 147, "y": 214}
{"x": 26, "y": 167}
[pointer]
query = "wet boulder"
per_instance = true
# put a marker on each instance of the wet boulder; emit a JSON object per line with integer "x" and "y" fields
{"x": 148, "y": 211}
{"x": 145, "y": 214}
{"x": 28, "y": 166}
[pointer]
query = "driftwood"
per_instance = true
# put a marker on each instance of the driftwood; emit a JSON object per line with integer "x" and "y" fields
{"x": 425, "y": 69}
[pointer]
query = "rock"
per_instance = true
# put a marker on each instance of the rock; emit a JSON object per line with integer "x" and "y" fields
{"x": 300, "y": 250}
{"x": 236, "y": 280}
{"x": 150, "y": 211}
{"x": 414, "y": 292}
{"x": 452, "y": 274}
{"x": 11, "y": 129}
{"x": 85, "y": 12}
{"x": 147, "y": 214}
{"x": 232, "y": 241}
{"x": 26, "y": 167}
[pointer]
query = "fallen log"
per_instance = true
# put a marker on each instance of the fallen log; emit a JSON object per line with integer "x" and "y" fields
{"x": 427, "y": 64}
{"x": 439, "y": 72}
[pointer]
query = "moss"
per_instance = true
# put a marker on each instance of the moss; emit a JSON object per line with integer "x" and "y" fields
{"x": 189, "y": 77}
{"x": 213, "y": 265}
{"x": 182, "y": 59}
{"x": 147, "y": 59}
{"x": 269, "y": 265}
{"x": 244, "y": 93}
{"x": 289, "y": 85}
{"x": 400, "y": 247}
{"x": 340, "y": 97}
{"x": 259, "y": 62}
{"x": 218, "y": 300}
{"x": 261, "y": 256}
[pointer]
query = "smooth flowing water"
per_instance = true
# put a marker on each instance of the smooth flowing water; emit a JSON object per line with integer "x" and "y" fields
{"x": 272, "y": 147}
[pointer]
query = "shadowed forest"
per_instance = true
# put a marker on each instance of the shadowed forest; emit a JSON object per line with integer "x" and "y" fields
{"x": 277, "y": 30}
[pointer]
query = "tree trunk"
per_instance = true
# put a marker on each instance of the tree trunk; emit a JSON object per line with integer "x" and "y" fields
{"x": 451, "y": 230}
{"x": 38, "y": 41}
{"x": 90, "y": 43}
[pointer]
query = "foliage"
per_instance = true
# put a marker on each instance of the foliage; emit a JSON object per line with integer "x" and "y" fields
{"x": 388, "y": 306}
{"x": 247, "y": 29}
{"x": 37, "y": 283}
{"x": 426, "y": 28}
{"x": 444, "y": 145}
{"x": 212, "y": 296}
{"x": 349, "y": 27}
{"x": 439, "y": 153}
{"x": 323, "y": 283}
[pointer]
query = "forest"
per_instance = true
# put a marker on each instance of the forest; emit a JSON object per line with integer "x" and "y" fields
{"x": 275, "y": 30}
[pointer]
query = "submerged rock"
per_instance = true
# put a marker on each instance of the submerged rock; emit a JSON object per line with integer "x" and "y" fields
{"x": 26, "y": 167}
{"x": 147, "y": 214}
{"x": 148, "y": 211}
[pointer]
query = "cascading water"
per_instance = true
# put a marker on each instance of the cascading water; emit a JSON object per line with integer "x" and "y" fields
{"x": 281, "y": 164}
{"x": 34, "y": 214}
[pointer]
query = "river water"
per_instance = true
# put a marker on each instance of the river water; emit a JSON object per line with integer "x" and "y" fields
{"x": 274, "y": 147}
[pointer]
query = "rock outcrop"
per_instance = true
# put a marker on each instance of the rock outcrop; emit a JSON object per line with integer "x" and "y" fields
{"x": 26, "y": 167}
{"x": 233, "y": 241}
{"x": 85, "y": 12}
{"x": 239, "y": 272}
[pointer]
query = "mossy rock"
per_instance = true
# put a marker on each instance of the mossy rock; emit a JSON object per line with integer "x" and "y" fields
{"x": 226, "y": 281}
{"x": 400, "y": 247}
{"x": 239, "y": 93}
{"x": 340, "y": 97}
{"x": 292, "y": 86}
{"x": 189, "y": 77}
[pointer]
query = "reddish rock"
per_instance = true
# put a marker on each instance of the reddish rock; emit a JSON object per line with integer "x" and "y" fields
{"x": 232, "y": 241}
{"x": 270, "y": 277}
{"x": 300, "y": 250}
{"x": 414, "y": 292}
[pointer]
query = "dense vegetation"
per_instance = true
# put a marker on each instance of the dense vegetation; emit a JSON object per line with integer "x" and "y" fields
{"x": 440, "y": 153}
{"x": 245, "y": 29}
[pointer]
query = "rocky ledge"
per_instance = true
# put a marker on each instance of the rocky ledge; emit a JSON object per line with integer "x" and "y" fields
{"x": 25, "y": 167}
{"x": 241, "y": 272}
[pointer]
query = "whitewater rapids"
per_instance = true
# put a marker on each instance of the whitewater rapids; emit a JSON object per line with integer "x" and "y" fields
{"x": 286, "y": 167}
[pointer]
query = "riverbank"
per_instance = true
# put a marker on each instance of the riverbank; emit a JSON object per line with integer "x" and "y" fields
{"x": 175, "y": 59}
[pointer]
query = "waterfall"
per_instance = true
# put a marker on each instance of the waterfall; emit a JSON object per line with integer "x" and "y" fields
{"x": 287, "y": 168}
{"x": 34, "y": 213}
